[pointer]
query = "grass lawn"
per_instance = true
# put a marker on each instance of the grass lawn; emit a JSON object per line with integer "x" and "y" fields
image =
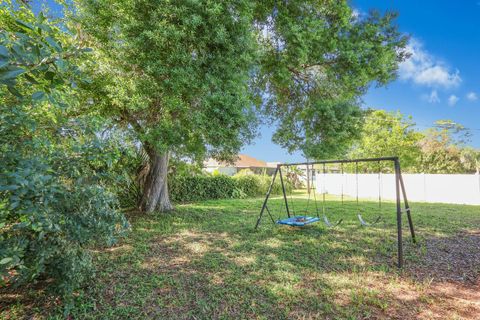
{"x": 204, "y": 261}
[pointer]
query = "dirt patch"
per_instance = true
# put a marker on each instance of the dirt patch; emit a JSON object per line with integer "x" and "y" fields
{"x": 450, "y": 301}
{"x": 448, "y": 277}
{"x": 450, "y": 259}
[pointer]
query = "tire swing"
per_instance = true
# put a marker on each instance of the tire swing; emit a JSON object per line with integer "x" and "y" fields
{"x": 325, "y": 218}
{"x": 359, "y": 213}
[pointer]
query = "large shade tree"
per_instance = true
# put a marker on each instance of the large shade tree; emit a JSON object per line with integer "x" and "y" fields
{"x": 193, "y": 77}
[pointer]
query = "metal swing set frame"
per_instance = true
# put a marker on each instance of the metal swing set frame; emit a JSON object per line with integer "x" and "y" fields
{"x": 300, "y": 221}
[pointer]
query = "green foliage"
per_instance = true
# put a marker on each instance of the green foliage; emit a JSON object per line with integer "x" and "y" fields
{"x": 250, "y": 185}
{"x": 186, "y": 76}
{"x": 316, "y": 60}
{"x": 177, "y": 73}
{"x": 437, "y": 150}
{"x": 182, "y": 168}
{"x": 388, "y": 134}
{"x": 201, "y": 187}
{"x": 127, "y": 170}
{"x": 470, "y": 159}
{"x": 442, "y": 148}
{"x": 54, "y": 199}
{"x": 257, "y": 185}
{"x": 191, "y": 188}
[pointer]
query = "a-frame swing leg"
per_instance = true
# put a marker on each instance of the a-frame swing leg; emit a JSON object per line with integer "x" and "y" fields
{"x": 399, "y": 214}
{"x": 270, "y": 214}
{"x": 407, "y": 209}
{"x": 264, "y": 206}
{"x": 284, "y": 191}
{"x": 400, "y": 187}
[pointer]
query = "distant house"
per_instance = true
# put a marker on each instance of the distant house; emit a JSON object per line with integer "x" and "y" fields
{"x": 243, "y": 162}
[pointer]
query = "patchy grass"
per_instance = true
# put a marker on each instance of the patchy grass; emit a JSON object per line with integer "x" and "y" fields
{"x": 204, "y": 261}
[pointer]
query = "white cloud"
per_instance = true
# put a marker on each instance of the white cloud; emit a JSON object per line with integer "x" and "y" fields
{"x": 358, "y": 14}
{"x": 452, "y": 100}
{"x": 432, "y": 97}
{"x": 424, "y": 69}
{"x": 472, "y": 96}
{"x": 355, "y": 13}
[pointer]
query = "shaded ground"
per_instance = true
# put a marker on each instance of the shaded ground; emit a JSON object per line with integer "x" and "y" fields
{"x": 451, "y": 259}
{"x": 205, "y": 262}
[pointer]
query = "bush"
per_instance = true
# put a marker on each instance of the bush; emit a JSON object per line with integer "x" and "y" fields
{"x": 204, "y": 187}
{"x": 250, "y": 185}
{"x": 54, "y": 197}
{"x": 257, "y": 185}
{"x": 277, "y": 186}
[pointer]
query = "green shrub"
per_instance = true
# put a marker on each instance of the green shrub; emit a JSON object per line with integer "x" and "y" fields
{"x": 54, "y": 198}
{"x": 257, "y": 185}
{"x": 251, "y": 185}
{"x": 204, "y": 187}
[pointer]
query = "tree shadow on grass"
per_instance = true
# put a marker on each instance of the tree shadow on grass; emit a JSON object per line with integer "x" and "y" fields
{"x": 205, "y": 261}
{"x": 430, "y": 275}
{"x": 284, "y": 274}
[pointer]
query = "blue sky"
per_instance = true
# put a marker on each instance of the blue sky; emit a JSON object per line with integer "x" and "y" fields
{"x": 440, "y": 81}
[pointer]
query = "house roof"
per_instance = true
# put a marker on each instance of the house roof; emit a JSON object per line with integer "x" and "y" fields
{"x": 243, "y": 161}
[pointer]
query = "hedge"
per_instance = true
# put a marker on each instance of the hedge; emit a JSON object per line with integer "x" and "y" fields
{"x": 185, "y": 189}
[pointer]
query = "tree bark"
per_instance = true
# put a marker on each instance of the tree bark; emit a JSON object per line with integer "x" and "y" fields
{"x": 155, "y": 195}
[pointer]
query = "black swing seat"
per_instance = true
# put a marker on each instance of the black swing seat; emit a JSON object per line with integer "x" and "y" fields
{"x": 298, "y": 221}
{"x": 366, "y": 224}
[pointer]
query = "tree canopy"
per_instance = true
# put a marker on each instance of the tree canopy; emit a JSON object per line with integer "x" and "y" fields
{"x": 442, "y": 148}
{"x": 389, "y": 134}
{"x": 316, "y": 60}
{"x": 176, "y": 72}
{"x": 192, "y": 78}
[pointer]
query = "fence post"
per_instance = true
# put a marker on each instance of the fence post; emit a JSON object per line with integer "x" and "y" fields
{"x": 478, "y": 179}
{"x": 424, "y": 187}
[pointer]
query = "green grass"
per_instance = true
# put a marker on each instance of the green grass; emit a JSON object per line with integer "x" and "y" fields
{"x": 204, "y": 261}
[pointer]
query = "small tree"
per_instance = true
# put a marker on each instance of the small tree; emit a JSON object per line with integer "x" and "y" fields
{"x": 442, "y": 147}
{"x": 470, "y": 159}
{"x": 389, "y": 134}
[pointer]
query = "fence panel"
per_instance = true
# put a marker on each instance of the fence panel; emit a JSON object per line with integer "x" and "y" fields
{"x": 442, "y": 188}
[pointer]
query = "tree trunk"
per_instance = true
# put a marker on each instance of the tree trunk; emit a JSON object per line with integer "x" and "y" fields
{"x": 155, "y": 190}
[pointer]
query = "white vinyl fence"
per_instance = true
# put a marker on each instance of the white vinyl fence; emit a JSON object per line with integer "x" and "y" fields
{"x": 444, "y": 188}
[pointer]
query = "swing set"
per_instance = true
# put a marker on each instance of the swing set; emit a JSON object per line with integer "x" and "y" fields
{"x": 296, "y": 219}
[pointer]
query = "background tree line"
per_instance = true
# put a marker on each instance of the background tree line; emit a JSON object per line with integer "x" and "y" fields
{"x": 440, "y": 149}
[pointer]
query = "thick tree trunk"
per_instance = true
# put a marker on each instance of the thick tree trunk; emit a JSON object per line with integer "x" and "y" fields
{"x": 155, "y": 190}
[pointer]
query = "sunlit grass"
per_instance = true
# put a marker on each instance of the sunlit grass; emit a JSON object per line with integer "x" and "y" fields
{"x": 205, "y": 261}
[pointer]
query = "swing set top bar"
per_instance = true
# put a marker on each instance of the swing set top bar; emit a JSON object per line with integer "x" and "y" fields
{"x": 395, "y": 159}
